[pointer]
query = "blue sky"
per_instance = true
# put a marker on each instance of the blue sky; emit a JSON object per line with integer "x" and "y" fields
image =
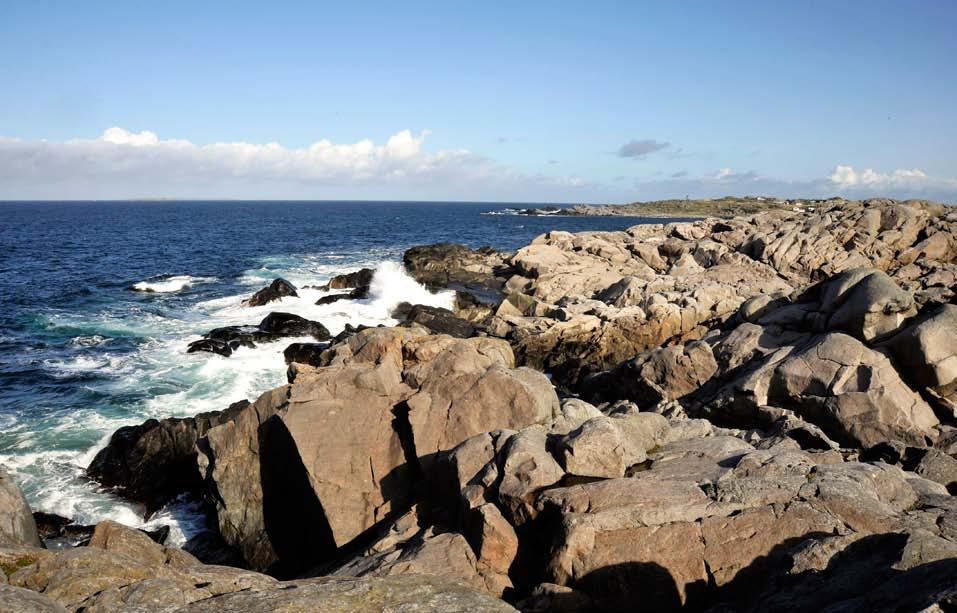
{"x": 555, "y": 101}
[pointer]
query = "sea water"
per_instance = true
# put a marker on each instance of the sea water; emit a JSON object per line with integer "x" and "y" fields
{"x": 99, "y": 300}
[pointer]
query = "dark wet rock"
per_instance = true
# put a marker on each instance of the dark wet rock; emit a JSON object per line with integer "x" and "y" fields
{"x": 443, "y": 264}
{"x": 50, "y": 525}
{"x": 276, "y": 290}
{"x": 58, "y": 532}
{"x": 287, "y": 324}
{"x": 274, "y": 326}
{"x": 440, "y": 321}
{"x": 155, "y": 461}
{"x": 304, "y": 353}
{"x": 353, "y": 280}
{"x": 356, "y": 294}
{"x": 208, "y": 345}
{"x": 17, "y": 526}
{"x": 209, "y": 548}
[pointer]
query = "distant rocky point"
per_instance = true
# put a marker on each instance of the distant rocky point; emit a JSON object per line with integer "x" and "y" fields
{"x": 729, "y": 206}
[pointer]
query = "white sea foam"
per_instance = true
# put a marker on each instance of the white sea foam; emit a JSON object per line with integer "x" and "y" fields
{"x": 171, "y": 284}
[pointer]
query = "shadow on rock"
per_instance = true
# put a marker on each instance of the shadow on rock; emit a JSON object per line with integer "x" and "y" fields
{"x": 293, "y": 516}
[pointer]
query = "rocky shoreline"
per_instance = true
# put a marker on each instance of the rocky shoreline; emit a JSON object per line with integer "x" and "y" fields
{"x": 745, "y": 414}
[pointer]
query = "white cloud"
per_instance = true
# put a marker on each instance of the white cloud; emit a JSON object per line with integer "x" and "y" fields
{"x": 119, "y": 136}
{"x": 846, "y": 176}
{"x": 122, "y": 163}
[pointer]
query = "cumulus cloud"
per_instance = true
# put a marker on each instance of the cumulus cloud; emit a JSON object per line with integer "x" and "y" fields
{"x": 123, "y": 163}
{"x": 846, "y": 176}
{"x": 637, "y": 149}
{"x": 842, "y": 180}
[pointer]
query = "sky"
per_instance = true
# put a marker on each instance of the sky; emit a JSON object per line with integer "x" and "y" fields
{"x": 504, "y": 101}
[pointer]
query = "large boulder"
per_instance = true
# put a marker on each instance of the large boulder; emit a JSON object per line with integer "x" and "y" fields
{"x": 663, "y": 539}
{"x": 230, "y": 465}
{"x": 440, "y": 321}
{"x": 287, "y": 324}
{"x": 293, "y": 467}
{"x": 445, "y": 264}
{"x": 863, "y": 302}
{"x": 277, "y": 290}
{"x": 666, "y": 373}
{"x": 836, "y": 382}
{"x": 352, "y": 280}
{"x": 17, "y": 526}
{"x": 926, "y": 354}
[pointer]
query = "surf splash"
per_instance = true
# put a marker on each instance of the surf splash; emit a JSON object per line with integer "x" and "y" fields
{"x": 171, "y": 284}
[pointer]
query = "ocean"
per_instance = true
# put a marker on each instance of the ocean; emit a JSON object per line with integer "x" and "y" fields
{"x": 82, "y": 352}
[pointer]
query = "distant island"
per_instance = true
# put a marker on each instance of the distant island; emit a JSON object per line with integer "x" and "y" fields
{"x": 726, "y": 207}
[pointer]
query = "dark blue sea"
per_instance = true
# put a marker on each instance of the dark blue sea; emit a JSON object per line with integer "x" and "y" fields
{"x": 83, "y": 353}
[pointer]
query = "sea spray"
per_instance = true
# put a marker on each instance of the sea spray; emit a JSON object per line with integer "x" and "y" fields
{"x": 392, "y": 285}
{"x": 171, "y": 284}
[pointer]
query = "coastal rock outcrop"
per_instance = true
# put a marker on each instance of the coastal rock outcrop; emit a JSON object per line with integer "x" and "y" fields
{"x": 276, "y": 290}
{"x": 447, "y": 265}
{"x": 580, "y": 304}
{"x": 155, "y": 461}
{"x": 123, "y": 570}
{"x": 414, "y": 394}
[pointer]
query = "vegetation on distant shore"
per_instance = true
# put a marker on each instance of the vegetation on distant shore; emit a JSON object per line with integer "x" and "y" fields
{"x": 726, "y": 207}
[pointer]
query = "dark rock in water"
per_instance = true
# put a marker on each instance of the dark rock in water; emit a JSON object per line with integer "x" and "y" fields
{"x": 401, "y": 311}
{"x": 159, "y": 535}
{"x": 440, "y": 321}
{"x": 50, "y": 525}
{"x": 224, "y": 341}
{"x": 304, "y": 353}
{"x": 331, "y": 298}
{"x": 210, "y": 548}
{"x": 444, "y": 263}
{"x": 287, "y": 324}
{"x": 357, "y": 293}
{"x": 272, "y": 292}
{"x": 352, "y": 280}
{"x": 58, "y": 532}
{"x": 155, "y": 461}
{"x": 211, "y": 346}
{"x": 246, "y": 336}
